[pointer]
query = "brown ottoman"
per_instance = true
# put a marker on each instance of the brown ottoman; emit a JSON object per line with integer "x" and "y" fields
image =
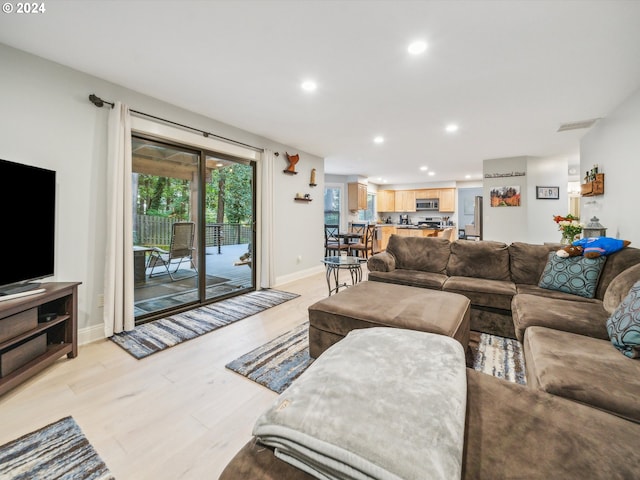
{"x": 378, "y": 304}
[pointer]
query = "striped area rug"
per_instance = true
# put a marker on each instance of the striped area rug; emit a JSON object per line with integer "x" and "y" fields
{"x": 279, "y": 362}
{"x": 58, "y": 451}
{"x": 167, "y": 332}
{"x": 500, "y": 357}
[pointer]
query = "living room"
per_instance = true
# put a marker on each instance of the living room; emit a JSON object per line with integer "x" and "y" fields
{"x": 48, "y": 121}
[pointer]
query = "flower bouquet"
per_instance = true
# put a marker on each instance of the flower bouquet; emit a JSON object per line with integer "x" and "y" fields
{"x": 570, "y": 226}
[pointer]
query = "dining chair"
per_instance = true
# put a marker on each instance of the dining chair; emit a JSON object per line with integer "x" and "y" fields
{"x": 358, "y": 229}
{"x": 332, "y": 242}
{"x": 365, "y": 246}
{"x": 448, "y": 233}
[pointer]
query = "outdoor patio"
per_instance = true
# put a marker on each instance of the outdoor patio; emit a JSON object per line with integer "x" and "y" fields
{"x": 160, "y": 292}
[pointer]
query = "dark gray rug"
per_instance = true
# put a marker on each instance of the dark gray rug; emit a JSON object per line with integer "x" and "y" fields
{"x": 58, "y": 451}
{"x": 279, "y": 362}
{"x": 158, "y": 335}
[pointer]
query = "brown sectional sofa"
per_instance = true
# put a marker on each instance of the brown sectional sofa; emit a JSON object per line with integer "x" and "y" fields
{"x": 578, "y": 416}
{"x": 566, "y": 345}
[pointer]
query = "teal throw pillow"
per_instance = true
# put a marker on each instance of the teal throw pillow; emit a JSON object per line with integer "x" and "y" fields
{"x": 624, "y": 324}
{"x": 575, "y": 275}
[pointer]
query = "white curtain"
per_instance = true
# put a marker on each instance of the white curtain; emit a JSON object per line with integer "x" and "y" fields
{"x": 118, "y": 283}
{"x": 268, "y": 212}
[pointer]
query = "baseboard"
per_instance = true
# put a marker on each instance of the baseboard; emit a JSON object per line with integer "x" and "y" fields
{"x": 292, "y": 277}
{"x": 90, "y": 334}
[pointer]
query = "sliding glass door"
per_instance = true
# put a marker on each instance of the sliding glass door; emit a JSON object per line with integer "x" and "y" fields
{"x": 229, "y": 214}
{"x": 193, "y": 227}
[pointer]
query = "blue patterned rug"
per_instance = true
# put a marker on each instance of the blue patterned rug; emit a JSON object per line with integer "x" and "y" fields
{"x": 279, "y": 362}
{"x": 58, "y": 451}
{"x": 158, "y": 335}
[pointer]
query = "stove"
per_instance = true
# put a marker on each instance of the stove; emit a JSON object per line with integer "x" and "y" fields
{"x": 431, "y": 222}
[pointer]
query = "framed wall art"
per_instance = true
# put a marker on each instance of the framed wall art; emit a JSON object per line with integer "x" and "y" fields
{"x": 505, "y": 196}
{"x": 548, "y": 193}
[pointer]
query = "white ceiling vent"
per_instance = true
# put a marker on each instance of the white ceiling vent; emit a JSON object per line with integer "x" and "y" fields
{"x": 577, "y": 125}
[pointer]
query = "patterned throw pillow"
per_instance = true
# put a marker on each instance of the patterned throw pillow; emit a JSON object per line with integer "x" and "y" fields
{"x": 576, "y": 275}
{"x": 624, "y": 324}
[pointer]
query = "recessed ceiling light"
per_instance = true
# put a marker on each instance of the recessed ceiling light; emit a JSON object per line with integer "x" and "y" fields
{"x": 467, "y": 176}
{"x": 309, "y": 86}
{"x": 218, "y": 164}
{"x": 378, "y": 139}
{"x": 416, "y": 48}
{"x": 384, "y": 181}
{"x": 452, "y": 127}
{"x": 431, "y": 174}
{"x": 424, "y": 168}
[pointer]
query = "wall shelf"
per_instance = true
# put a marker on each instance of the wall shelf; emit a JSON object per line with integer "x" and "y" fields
{"x": 300, "y": 199}
{"x": 288, "y": 172}
{"x": 313, "y": 184}
{"x": 594, "y": 187}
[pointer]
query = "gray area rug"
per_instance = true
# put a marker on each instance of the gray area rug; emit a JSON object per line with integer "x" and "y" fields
{"x": 167, "y": 332}
{"x": 279, "y": 362}
{"x": 58, "y": 451}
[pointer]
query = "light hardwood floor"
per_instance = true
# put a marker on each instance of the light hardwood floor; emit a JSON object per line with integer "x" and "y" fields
{"x": 178, "y": 414}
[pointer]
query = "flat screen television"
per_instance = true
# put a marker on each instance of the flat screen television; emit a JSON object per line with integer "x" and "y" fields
{"x": 27, "y": 241}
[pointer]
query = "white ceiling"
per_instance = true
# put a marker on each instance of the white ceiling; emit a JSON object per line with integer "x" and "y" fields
{"x": 508, "y": 72}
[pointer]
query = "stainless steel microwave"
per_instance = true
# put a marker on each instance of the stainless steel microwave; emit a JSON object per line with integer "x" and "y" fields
{"x": 427, "y": 204}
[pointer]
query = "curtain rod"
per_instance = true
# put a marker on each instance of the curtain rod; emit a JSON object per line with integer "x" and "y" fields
{"x": 99, "y": 102}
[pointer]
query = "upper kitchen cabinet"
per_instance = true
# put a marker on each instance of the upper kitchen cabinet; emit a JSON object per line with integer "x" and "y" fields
{"x": 447, "y": 197}
{"x": 386, "y": 201}
{"x": 357, "y": 194}
{"x": 405, "y": 200}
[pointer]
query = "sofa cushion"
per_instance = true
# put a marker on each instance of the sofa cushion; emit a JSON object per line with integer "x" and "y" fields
{"x": 413, "y": 278}
{"x": 587, "y": 370}
{"x": 619, "y": 287}
{"x": 584, "y": 318}
{"x": 616, "y": 264}
{"x": 428, "y": 254}
{"x": 545, "y": 292}
{"x": 576, "y": 275}
{"x": 487, "y": 293}
{"x": 484, "y": 259}
{"x": 624, "y": 324}
{"x": 528, "y": 261}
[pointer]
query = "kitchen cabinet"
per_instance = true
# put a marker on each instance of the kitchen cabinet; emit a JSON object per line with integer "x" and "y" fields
{"x": 384, "y": 233}
{"x": 357, "y": 194}
{"x": 386, "y": 201}
{"x": 416, "y": 232}
{"x": 405, "y": 201}
{"x": 424, "y": 193}
{"x": 447, "y": 197}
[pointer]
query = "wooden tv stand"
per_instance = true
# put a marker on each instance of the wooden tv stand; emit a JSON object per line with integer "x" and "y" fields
{"x": 28, "y": 346}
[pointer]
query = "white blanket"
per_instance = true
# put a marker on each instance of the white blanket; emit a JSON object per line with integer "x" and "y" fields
{"x": 383, "y": 403}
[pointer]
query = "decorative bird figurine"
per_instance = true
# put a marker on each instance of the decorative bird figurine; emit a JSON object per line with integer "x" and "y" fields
{"x": 293, "y": 159}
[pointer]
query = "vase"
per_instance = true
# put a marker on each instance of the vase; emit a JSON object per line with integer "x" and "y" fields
{"x": 567, "y": 239}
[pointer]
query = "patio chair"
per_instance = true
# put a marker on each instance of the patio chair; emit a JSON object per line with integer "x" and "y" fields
{"x": 180, "y": 250}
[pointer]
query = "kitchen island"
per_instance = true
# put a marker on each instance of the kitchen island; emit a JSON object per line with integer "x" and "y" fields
{"x": 385, "y": 230}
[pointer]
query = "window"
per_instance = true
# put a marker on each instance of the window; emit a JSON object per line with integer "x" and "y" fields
{"x": 369, "y": 214}
{"x": 332, "y": 197}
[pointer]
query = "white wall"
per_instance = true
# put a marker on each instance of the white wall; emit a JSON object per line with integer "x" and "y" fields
{"x": 546, "y": 172}
{"x": 532, "y": 222}
{"x": 504, "y": 224}
{"x": 614, "y": 144}
{"x": 47, "y": 120}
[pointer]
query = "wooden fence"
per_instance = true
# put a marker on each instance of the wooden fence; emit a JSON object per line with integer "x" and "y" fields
{"x": 151, "y": 230}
